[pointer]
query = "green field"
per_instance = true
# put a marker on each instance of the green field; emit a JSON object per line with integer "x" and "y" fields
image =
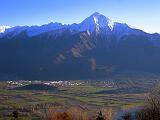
{"x": 33, "y": 103}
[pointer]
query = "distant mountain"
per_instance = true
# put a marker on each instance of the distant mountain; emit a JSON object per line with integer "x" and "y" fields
{"x": 96, "y": 47}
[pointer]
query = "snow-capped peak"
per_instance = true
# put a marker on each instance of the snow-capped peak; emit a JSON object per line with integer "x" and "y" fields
{"x": 102, "y": 21}
{"x": 96, "y": 20}
{"x": 3, "y": 28}
{"x": 95, "y": 23}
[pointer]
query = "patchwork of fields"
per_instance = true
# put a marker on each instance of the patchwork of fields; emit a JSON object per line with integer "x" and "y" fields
{"x": 87, "y": 95}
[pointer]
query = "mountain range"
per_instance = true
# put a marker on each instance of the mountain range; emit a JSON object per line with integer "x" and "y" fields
{"x": 94, "y": 48}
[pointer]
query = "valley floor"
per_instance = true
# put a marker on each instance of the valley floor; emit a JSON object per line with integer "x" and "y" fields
{"x": 89, "y": 96}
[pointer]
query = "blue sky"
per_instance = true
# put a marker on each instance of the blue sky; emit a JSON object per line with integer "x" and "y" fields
{"x": 143, "y": 14}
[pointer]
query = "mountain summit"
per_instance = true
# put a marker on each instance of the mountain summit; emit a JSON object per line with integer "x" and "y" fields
{"x": 98, "y": 20}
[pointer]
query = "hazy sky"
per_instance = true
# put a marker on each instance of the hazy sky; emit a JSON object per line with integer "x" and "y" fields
{"x": 143, "y": 14}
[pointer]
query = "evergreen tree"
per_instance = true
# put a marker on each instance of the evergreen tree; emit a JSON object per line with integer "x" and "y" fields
{"x": 100, "y": 116}
{"x": 15, "y": 115}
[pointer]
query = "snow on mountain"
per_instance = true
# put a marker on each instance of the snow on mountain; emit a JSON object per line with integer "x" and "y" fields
{"x": 35, "y": 30}
{"x": 122, "y": 29}
{"x": 91, "y": 24}
{"x": 3, "y": 28}
{"x": 94, "y": 23}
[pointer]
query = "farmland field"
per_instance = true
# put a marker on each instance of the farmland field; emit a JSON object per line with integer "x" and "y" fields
{"x": 88, "y": 95}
